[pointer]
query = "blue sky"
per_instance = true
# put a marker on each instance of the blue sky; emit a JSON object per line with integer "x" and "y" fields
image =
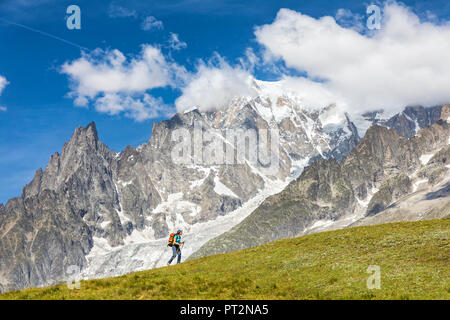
{"x": 39, "y": 115}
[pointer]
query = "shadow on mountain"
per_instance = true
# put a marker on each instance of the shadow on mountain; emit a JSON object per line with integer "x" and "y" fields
{"x": 441, "y": 193}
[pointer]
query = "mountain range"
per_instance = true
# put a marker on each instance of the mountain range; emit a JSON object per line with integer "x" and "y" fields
{"x": 110, "y": 213}
{"x": 385, "y": 178}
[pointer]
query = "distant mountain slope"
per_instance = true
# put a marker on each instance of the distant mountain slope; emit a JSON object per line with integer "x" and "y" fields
{"x": 381, "y": 169}
{"x": 412, "y": 256}
{"x": 409, "y": 121}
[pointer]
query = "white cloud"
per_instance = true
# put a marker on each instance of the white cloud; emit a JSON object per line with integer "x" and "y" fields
{"x": 116, "y": 11}
{"x": 407, "y": 62}
{"x": 347, "y": 19}
{"x": 250, "y": 60}
{"x": 404, "y": 63}
{"x": 140, "y": 108}
{"x": 175, "y": 42}
{"x": 3, "y": 83}
{"x": 109, "y": 72}
{"x": 150, "y": 23}
{"x": 147, "y": 23}
{"x": 214, "y": 86}
{"x": 116, "y": 84}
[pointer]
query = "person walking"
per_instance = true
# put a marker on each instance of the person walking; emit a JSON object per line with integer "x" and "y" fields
{"x": 175, "y": 243}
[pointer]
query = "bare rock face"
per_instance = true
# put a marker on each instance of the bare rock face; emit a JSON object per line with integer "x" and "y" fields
{"x": 381, "y": 169}
{"x": 390, "y": 190}
{"x": 51, "y": 226}
{"x": 411, "y": 120}
{"x": 445, "y": 113}
{"x": 83, "y": 174}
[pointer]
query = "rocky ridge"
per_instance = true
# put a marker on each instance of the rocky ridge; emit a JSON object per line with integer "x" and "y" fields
{"x": 381, "y": 170}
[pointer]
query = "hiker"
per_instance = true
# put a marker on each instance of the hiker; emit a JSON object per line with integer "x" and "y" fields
{"x": 175, "y": 243}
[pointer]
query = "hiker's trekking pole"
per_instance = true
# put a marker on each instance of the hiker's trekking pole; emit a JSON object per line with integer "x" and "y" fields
{"x": 180, "y": 247}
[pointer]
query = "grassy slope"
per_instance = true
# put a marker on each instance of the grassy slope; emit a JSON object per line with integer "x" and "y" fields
{"x": 414, "y": 258}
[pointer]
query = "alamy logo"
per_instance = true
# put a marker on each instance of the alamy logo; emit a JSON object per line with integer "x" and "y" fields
{"x": 231, "y": 146}
{"x": 374, "y": 20}
{"x": 74, "y": 277}
{"x": 74, "y": 20}
{"x": 374, "y": 280}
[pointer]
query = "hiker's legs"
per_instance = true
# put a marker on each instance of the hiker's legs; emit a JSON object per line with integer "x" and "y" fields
{"x": 174, "y": 253}
{"x": 179, "y": 256}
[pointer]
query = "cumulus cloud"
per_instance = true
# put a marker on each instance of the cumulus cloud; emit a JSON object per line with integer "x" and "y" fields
{"x": 3, "y": 109}
{"x": 150, "y": 23}
{"x": 214, "y": 86}
{"x": 117, "y": 84}
{"x": 404, "y": 63}
{"x": 140, "y": 108}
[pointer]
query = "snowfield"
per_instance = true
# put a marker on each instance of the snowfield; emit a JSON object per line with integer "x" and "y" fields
{"x": 141, "y": 251}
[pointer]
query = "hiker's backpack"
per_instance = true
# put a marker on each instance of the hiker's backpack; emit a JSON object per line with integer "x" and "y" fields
{"x": 171, "y": 239}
